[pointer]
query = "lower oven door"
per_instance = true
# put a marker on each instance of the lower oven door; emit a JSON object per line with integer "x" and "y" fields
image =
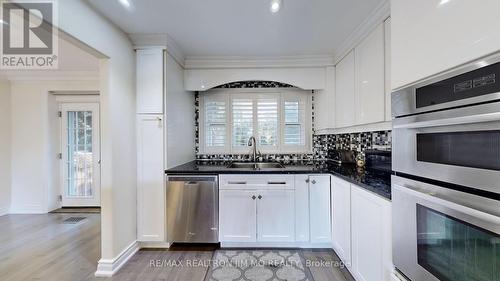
{"x": 460, "y": 146}
{"x": 443, "y": 234}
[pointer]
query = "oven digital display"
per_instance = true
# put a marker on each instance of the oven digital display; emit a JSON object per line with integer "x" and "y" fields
{"x": 476, "y": 83}
{"x": 454, "y": 250}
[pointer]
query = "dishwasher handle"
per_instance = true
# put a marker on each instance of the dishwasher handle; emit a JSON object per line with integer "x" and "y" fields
{"x": 192, "y": 179}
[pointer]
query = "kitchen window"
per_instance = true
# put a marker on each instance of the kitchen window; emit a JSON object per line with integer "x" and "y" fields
{"x": 280, "y": 120}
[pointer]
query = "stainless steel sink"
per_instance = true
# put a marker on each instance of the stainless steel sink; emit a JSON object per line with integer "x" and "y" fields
{"x": 251, "y": 165}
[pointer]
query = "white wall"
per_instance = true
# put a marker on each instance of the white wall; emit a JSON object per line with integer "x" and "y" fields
{"x": 35, "y": 169}
{"x": 118, "y": 168}
{"x": 5, "y": 182}
{"x": 179, "y": 117}
{"x": 429, "y": 37}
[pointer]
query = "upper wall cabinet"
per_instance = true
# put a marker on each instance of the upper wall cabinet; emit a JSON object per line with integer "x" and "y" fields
{"x": 387, "y": 33}
{"x": 370, "y": 83}
{"x": 345, "y": 102}
{"x": 150, "y": 80}
{"x": 429, "y": 37}
{"x": 324, "y": 101}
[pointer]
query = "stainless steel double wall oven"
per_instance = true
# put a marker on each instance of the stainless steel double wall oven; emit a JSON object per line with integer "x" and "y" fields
{"x": 446, "y": 187}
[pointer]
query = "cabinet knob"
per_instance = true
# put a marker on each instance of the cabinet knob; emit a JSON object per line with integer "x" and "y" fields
{"x": 307, "y": 180}
{"x": 253, "y": 197}
{"x": 313, "y": 182}
{"x": 260, "y": 197}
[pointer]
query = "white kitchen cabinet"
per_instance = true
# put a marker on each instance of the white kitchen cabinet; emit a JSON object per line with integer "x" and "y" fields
{"x": 302, "y": 208}
{"x": 345, "y": 101}
{"x": 370, "y": 78}
{"x": 319, "y": 208}
{"x": 237, "y": 216}
{"x": 276, "y": 215}
{"x": 324, "y": 103}
{"x": 341, "y": 219}
{"x": 429, "y": 37}
{"x": 388, "y": 91}
{"x": 150, "y": 179}
{"x": 371, "y": 236}
{"x": 150, "y": 80}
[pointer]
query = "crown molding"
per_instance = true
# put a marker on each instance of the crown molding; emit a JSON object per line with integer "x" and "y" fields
{"x": 378, "y": 16}
{"x": 209, "y": 62}
{"x": 164, "y": 41}
{"x": 53, "y": 75}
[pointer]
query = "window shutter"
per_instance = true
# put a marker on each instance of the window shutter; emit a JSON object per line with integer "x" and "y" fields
{"x": 215, "y": 125}
{"x": 267, "y": 121}
{"x": 242, "y": 121}
{"x": 294, "y": 131}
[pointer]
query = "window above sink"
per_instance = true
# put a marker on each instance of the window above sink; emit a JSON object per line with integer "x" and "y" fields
{"x": 279, "y": 118}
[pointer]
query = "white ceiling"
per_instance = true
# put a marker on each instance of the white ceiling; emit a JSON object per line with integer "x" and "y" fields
{"x": 243, "y": 27}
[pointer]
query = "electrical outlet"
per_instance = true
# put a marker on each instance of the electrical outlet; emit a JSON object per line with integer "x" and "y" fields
{"x": 59, "y": 198}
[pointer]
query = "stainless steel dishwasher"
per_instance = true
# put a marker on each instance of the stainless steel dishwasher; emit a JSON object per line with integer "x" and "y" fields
{"x": 192, "y": 209}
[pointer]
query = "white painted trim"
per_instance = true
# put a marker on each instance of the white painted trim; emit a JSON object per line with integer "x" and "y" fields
{"x": 378, "y": 16}
{"x": 4, "y": 211}
{"x": 153, "y": 245}
{"x": 28, "y": 209}
{"x": 164, "y": 41}
{"x": 382, "y": 126}
{"x": 201, "y": 62}
{"x": 108, "y": 267}
{"x": 276, "y": 245}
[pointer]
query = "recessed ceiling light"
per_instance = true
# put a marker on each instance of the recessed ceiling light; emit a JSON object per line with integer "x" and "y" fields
{"x": 125, "y": 3}
{"x": 444, "y": 2}
{"x": 275, "y": 6}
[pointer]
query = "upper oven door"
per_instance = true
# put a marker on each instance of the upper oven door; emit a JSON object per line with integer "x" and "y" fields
{"x": 441, "y": 234}
{"x": 460, "y": 146}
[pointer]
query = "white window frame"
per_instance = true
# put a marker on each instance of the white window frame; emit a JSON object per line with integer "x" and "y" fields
{"x": 283, "y": 94}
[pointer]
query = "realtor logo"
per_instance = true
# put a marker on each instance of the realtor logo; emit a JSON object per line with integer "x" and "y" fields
{"x": 28, "y": 36}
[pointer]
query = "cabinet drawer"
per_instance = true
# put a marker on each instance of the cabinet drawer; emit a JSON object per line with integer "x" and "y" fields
{"x": 256, "y": 182}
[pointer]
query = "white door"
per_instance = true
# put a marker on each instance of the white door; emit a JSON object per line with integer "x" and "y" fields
{"x": 341, "y": 219}
{"x": 319, "y": 196}
{"x": 237, "y": 215}
{"x": 276, "y": 215}
{"x": 345, "y": 100}
{"x": 80, "y": 155}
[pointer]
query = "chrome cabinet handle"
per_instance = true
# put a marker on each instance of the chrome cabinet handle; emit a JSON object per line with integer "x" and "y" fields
{"x": 260, "y": 197}
{"x": 276, "y": 182}
{"x": 253, "y": 197}
{"x": 307, "y": 180}
{"x": 237, "y": 182}
{"x": 313, "y": 182}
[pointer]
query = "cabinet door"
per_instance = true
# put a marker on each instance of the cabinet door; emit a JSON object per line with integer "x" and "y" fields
{"x": 370, "y": 83}
{"x": 371, "y": 236}
{"x": 237, "y": 216}
{"x": 388, "y": 89}
{"x": 150, "y": 178}
{"x": 276, "y": 216}
{"x": 341, "y": 219}
{"x": 345, "y": 103}
{"x": 319, "y": 196}
{"x": 302, "y": 208}
{"x": 324, "y": 103}
{"x": 150, "y": 66}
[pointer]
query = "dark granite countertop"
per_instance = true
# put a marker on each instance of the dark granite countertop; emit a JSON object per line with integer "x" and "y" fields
{"x": 373, "y": 181}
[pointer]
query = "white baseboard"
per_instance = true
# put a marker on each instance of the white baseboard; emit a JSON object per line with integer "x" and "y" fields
{"x": 28, "y": 209}
{"x": 4, "y": 211}
{"x": 276, "y": 245}
{"x": 108, "y": 267}
{"x": 153, "y": 245}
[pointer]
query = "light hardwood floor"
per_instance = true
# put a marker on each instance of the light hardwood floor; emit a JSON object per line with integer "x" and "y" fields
{"x": 40, "y": 247}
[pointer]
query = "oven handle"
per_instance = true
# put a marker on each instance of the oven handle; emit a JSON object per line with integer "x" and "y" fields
{"x": 462, "y": 202}
{"x": 413, "y": 122}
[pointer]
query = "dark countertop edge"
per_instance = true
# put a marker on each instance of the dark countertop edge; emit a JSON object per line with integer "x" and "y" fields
{"x": 365, "y": 186}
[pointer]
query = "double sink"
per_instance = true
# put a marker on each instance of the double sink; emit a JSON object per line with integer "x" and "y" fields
{"x": 255, "y": 165}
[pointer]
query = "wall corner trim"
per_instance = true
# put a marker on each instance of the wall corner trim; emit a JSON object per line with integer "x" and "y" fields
{"x": 108, "y": 267}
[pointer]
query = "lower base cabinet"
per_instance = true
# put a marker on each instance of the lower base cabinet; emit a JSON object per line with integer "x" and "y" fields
{"x": 276, "y": 216}
{"x": 371, "y": 236}
{"x": 237, "y": 216}
{"x": 361, "y": 233}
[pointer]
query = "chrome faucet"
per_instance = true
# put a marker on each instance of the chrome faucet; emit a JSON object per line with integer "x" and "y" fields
{"x": 252, "y": 142}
